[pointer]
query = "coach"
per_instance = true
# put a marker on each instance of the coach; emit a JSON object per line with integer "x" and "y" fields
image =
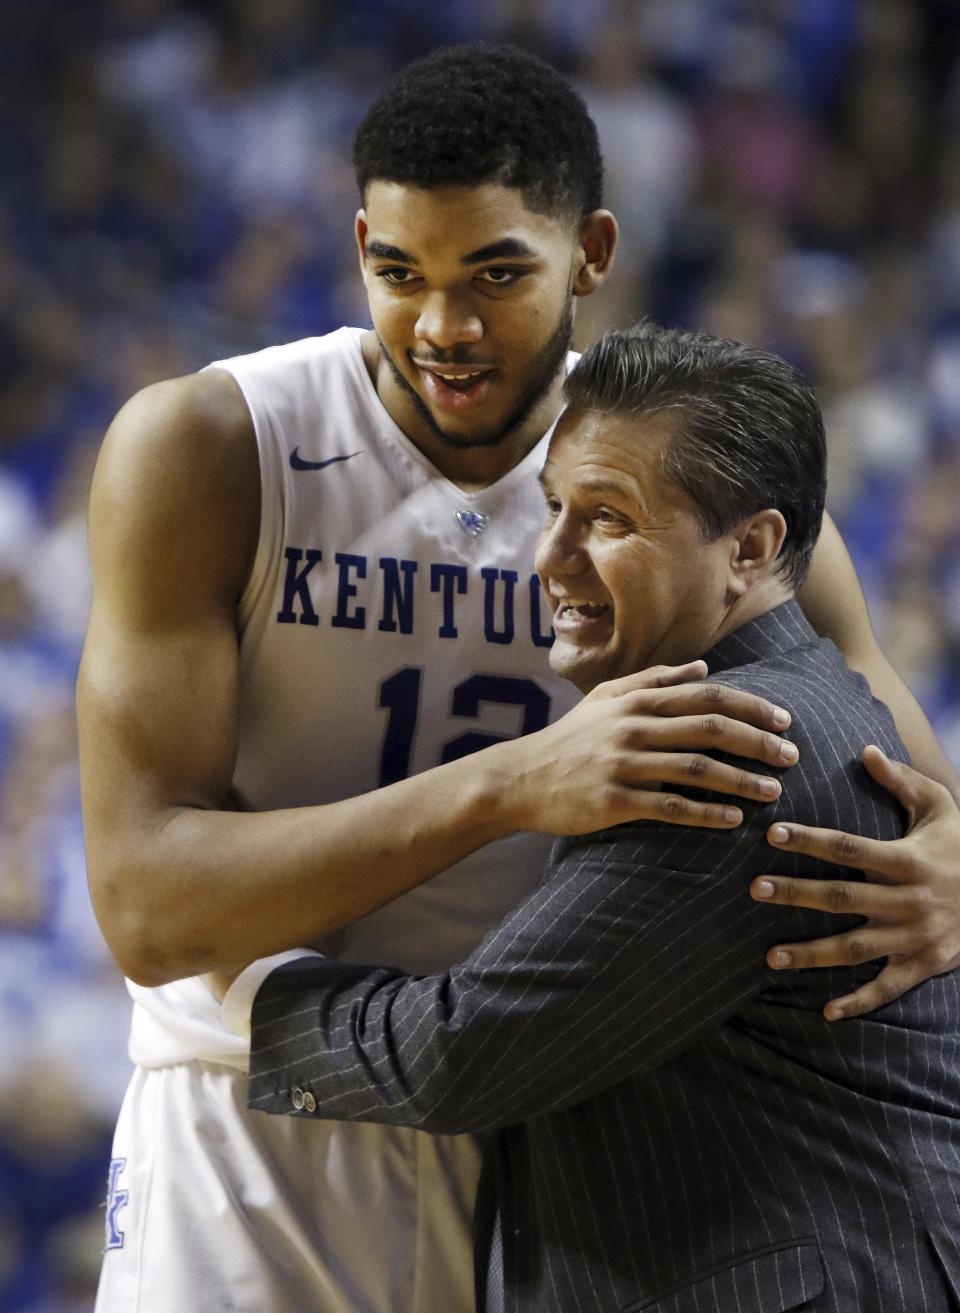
{"x": 677, "y": 1126}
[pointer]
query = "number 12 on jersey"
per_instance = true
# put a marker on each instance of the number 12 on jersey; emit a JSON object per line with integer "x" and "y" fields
{"x": 399, "y": 695}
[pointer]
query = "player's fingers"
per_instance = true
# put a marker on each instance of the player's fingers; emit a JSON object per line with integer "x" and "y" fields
{"x": 914, "y": 791}
{"x": 654, "y": 677}
{"x": 864, "y": 944}
{"x": 695, "y": 770}
{"x": 639, "y": 804}
{"x": 714, "y": 732}
{"x": 895, "y": 979}
{"x": 876, "y": 855}
{"x": 712, "y": 699}
{"x": 845, "y": 896}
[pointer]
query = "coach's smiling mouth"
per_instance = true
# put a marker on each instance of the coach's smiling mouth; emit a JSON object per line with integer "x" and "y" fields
{"x": 578, "y": 616}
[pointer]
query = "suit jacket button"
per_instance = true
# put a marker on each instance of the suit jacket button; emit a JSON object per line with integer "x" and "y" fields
{"x": 297, "y": 1099}
{"x": 309, "y": 1102}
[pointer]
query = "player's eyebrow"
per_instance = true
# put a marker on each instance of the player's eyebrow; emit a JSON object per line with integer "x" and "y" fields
{"x": 384, "y": 251}
{"x": 507, "y": 247}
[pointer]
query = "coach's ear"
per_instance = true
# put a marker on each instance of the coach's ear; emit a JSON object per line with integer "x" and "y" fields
{"x": 596, "y": 243}
{"x": 755, "y": 544}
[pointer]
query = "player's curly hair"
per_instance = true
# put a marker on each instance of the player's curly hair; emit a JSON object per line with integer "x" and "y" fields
{"x": 468, "y": 114}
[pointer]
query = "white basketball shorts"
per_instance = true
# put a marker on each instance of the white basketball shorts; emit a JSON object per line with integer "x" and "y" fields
{"x": 211, "y": 1206}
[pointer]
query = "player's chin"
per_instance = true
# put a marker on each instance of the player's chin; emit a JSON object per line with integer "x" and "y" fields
{"x": 482, "y": 428}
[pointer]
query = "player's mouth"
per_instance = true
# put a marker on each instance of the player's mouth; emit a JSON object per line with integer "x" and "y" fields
{"x": 580, "y": 617}
{"x": 454, "y": 387}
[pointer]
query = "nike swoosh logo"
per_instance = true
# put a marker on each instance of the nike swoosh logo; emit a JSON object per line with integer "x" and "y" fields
{"x": 297, "y": 462}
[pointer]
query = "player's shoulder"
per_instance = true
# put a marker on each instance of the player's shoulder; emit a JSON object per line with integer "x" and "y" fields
{"x": 201, "y": 415}
{"x": 303, "y": 371}
{"x": 178, "y": 465}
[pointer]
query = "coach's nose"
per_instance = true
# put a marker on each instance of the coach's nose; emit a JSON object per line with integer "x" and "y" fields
{"x": 560, "y": 550}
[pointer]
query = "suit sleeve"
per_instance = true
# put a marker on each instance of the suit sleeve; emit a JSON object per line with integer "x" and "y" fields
{"x": 636, "y": 942}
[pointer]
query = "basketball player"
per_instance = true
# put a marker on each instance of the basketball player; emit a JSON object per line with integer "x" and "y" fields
{"x": 314, "y": 602}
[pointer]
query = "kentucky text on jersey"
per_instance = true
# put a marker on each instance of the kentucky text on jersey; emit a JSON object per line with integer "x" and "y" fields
{"x": 383, "y": 593}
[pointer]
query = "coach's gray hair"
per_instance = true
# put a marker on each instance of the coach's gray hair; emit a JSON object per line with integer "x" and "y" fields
{"x": 750, "y": 432}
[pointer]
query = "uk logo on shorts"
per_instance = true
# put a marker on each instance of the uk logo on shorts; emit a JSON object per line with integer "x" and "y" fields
{"x": 116, "y": 1199}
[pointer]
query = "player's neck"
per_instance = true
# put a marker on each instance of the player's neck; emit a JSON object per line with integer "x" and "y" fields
{"x": 470, "y": 468}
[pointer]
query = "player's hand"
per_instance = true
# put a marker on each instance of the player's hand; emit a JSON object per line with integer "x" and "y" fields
{"x": 913, "y": 913}
{"x": 605, "y": 761}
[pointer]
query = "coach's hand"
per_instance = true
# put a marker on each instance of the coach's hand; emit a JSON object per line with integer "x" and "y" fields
{"x": 913, "y": 912}
{"x": 605, "y": 761}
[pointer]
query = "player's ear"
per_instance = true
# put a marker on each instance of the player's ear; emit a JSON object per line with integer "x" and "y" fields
{"x": 596, "y": 243}
{"x": 755, "y": 546}
{"x": 360, "y": 232}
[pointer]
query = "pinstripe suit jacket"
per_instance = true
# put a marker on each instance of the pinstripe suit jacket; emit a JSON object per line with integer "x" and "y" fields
{"x": 678, "y": 1128}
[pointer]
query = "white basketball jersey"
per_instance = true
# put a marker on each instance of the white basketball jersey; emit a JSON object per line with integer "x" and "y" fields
{"x": 391, "y": 622}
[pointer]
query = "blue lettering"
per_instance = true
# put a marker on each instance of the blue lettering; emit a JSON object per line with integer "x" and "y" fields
{"x": 295, "y": 586}
{"x": 116, "y": 1199}
{"x": 540, "y": 639}
{"x": 397, "y": 597}
{"x": 447, "y": 579}
{"x": 490, "y": 577}
{"x": 346, "y": 589}
{"x": 505, "y": 690}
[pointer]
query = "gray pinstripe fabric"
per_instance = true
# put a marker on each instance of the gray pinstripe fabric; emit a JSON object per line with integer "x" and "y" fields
{"x": 680, "y": 1129}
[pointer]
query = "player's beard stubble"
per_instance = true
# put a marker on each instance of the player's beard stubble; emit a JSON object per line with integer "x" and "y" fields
{"x": 544, "y": 368}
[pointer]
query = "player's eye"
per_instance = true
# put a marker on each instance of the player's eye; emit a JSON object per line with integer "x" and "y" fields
{"x": 500, "y": 275}
{"x": 396, "y": 277}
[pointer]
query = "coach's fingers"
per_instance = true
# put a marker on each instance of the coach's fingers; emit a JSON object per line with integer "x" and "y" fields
{"x": 892, "y": 982}
{"x": 841, "y": 896}
{"x": 881, "y": 856}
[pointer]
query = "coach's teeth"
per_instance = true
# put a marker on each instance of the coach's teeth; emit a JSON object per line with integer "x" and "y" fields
{"x": 585, "y": 610}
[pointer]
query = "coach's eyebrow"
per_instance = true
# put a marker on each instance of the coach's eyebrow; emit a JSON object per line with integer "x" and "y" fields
{"x": 507, "y": 247}
{"x": 384, "y": 251}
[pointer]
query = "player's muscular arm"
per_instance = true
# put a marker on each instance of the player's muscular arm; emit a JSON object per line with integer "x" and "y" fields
{"x": 181, "y": 883}
{"x": 835, "y": 606}
{"x": 911, "y": 898}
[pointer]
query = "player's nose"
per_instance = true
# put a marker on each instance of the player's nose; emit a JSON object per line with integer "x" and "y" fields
{"x": 446, "y": 321}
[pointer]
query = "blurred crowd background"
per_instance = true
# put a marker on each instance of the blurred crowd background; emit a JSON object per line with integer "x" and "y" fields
{"x": 175, "y": 186}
